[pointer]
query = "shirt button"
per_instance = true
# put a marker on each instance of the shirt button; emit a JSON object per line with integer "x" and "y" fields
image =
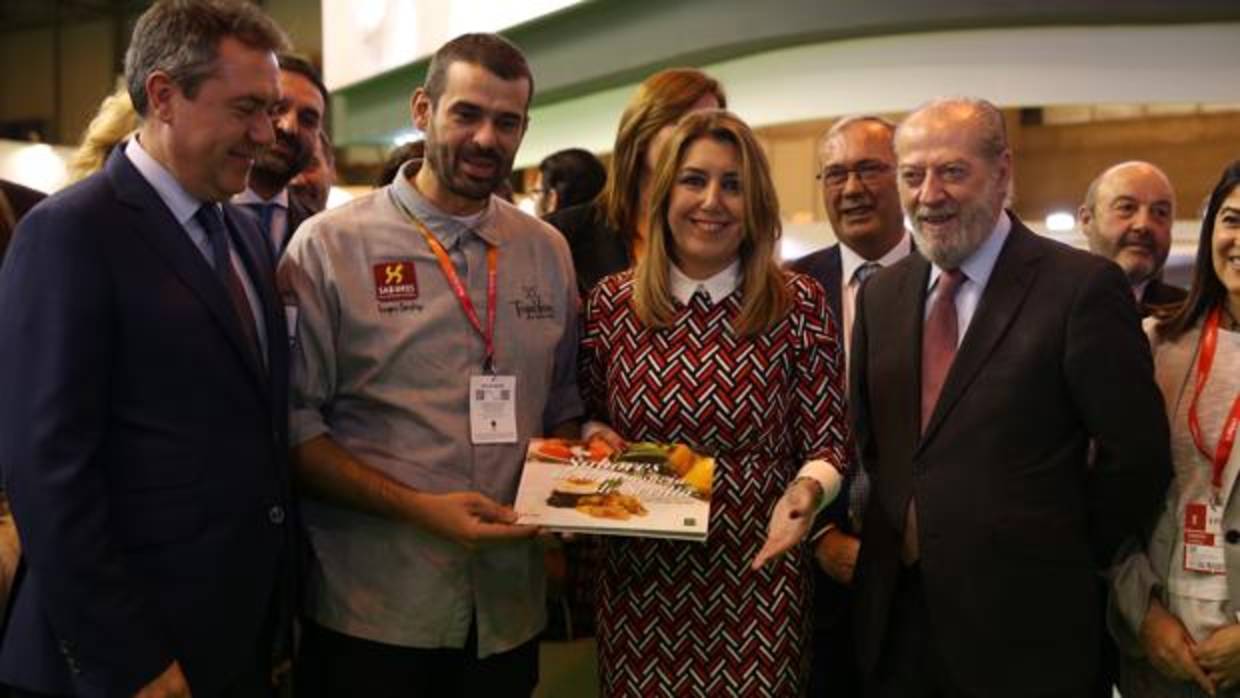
{"x": 276, "y": 514}
{"x": 1233, "y": 536}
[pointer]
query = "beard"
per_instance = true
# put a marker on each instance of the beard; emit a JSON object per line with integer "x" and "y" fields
{"x": 949, "y": 248}
{"x": 445, "y": 160}
{"x": 278, "y": 170}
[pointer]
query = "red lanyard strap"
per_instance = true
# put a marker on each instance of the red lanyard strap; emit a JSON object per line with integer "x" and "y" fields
{"x": 1227, "y": 439}
{"x": 458, "y": 288}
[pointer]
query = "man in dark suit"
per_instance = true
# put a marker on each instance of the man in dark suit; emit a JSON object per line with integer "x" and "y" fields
{"x": 143, "y": 353}
{"x": 1127, "y": 216}
{"x": 297, "y": 120}
{"x": 858, "y": 176}
{"x": 981, "y": 371}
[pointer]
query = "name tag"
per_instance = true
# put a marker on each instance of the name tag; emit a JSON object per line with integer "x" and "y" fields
{"x": 492, "y": 409}
{"x": 1203, "y": 538}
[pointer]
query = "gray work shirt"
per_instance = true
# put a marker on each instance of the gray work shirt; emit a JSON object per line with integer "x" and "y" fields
{"x": 381, "y": 362}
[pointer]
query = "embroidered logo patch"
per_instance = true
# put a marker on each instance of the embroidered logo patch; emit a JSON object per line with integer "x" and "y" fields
{"x": 395, "y": 281}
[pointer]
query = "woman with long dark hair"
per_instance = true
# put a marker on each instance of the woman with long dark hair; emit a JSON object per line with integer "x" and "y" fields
{"x": 1176, "y": 603}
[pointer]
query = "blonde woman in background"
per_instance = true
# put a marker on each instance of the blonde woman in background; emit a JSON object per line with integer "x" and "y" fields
{"x": 115, "y": 121}
{"x": 608, "y": 234}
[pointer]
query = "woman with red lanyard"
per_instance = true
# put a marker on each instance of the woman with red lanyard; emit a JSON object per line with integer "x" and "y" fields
{"x": 1175, "y": 610}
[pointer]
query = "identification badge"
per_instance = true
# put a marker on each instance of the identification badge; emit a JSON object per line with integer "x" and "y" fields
{"x": 492, "y": 409}
{"x": 1203, "y": 538}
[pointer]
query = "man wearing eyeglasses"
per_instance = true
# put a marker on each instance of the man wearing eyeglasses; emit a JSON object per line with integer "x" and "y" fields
{"x": 863, "y": 204}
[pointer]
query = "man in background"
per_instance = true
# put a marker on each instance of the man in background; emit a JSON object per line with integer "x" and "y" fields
{"x": 1127, "y": 217}
{"x": 857, "y": 172}
{"x": 298, "y": 121}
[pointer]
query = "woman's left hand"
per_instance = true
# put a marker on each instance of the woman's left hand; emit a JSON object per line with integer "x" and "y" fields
{"x": 790, "y": 521}
{"x": 1219, "y": 656}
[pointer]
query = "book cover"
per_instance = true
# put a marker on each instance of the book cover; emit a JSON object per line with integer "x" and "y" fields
{"x": 648, "y": 489}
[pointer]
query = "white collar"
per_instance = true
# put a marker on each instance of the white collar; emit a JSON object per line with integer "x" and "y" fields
{"x": 850, "y": 261}
{"x": 717, "y": 287}
{"x": 249, "y": 196}
{"x": 1138, "y": 290}
{"x": 182, "y": 203}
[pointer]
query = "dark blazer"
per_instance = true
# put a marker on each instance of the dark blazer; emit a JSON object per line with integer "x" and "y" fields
{"x": 17, "y": 201}
{"x": 1014, "y": 523}
{"x": 1158, "y": 294}
{"x": 598, "y": 250}
{"x": 145, "y": 452}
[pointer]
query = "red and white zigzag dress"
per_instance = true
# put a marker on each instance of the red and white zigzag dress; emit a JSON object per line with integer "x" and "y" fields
{"x": 691, "y": 619}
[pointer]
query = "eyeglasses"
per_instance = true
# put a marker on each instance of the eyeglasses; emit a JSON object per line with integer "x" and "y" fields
{"x": 868, "y": 171}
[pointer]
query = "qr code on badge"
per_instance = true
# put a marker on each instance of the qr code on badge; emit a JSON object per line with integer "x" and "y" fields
{"x": 480, "y": 395}
{"x": 505, "y": 395}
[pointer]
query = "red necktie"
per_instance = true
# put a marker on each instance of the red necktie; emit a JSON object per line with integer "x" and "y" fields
{"x": 938, "y": 347}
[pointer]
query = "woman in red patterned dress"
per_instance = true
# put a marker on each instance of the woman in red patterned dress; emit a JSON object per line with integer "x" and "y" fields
{"x": 707, "y": 342}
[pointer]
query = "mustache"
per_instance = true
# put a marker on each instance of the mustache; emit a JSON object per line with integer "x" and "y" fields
{"x": 943, "y": 210}
{"x": 476, "y": 152}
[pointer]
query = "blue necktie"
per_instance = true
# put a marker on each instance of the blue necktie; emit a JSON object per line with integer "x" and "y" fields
{"x": 212, "y": 221}
{"x": 266, "y": 213}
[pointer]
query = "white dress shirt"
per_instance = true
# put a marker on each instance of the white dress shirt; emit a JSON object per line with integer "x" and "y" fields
{"x": 850, "y": 262}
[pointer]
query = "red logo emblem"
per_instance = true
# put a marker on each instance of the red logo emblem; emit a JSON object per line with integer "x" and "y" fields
{"x": 395, "y": 281}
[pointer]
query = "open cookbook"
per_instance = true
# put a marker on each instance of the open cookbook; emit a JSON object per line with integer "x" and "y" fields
{"x": 647, "y": 490}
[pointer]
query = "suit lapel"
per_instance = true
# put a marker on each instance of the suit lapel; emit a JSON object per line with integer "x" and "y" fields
{"x": 255, "y": 256}
{"x": 156, "y": 224}
{"x": 1009, "y": 283}
{"x": 910, "y": 317}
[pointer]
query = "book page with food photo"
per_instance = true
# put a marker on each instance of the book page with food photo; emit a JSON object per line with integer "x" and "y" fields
{"x": 647, "y": 489}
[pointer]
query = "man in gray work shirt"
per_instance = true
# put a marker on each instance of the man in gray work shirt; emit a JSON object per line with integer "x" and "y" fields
{"x": 418, "y": 378}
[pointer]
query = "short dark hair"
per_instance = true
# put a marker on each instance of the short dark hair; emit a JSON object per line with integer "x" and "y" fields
{"x": 297, "y": 63}
{"x": 491, "y": 51}
{"x": 181, "y": 38}
{"x": 576, "y": 176}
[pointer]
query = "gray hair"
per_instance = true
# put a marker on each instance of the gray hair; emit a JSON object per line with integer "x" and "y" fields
{"x": 181, "y": 38}
{"x": 992, "y": 130}
{"x": 843, "y": 124}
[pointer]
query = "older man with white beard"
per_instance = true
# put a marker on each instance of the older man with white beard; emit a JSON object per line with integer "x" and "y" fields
{"x": 982, "y": 369}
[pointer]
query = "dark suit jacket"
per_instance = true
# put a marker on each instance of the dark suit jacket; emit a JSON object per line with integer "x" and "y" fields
{"x": 597, "y": 249}
{"x": 1158, "y": 294}
{"x": 1013, "y": 522}
{"x": 19, "y": 200}
{"x": 144, "y": 446}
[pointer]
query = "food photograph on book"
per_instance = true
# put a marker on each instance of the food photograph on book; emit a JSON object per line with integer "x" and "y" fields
{"x": 646, "y": 489}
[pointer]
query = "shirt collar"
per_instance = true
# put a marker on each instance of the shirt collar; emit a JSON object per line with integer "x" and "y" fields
{"x": 447, "y": 228}
{"x": 717, "y": 287}
{"x": 981, "y": 263}
{"x": 1138, "y": 290}
{"x": 850, "y": 261}
{"x": 249, "y": 196}
{"x": 182, "y": 203}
